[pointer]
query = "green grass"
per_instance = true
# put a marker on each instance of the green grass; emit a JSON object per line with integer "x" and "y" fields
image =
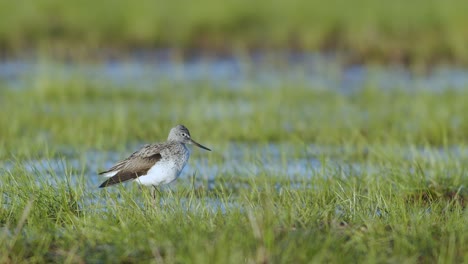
{"x": 410, "y": 207}
{"x": 410, "y": 32}
{"x": 382, "y": 217}
{"x": 82, "y": 114}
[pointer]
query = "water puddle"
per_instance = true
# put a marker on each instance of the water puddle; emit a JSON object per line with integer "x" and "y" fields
{"x": 241, "y": 162}
{"x": 317, "y": 71}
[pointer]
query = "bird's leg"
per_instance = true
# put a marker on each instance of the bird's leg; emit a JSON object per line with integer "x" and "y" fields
{"x": 153, "y": 194}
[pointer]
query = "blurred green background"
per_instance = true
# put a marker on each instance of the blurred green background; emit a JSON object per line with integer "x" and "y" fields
{"x": 416, "y": 31}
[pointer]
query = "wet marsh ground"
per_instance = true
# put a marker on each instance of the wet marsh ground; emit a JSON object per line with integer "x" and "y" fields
{"x": 302, "y": 169}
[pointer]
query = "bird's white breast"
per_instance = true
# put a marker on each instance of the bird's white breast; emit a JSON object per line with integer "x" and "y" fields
{"x": 164, "y": 171}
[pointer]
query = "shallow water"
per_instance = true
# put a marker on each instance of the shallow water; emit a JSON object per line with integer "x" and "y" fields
{"x": 291, "y": 165}
{"x": 241, "y": 160}
{"x": 146, "y": 70}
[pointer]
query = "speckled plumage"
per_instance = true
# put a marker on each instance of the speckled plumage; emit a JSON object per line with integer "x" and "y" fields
{"x": 154, "y": 164}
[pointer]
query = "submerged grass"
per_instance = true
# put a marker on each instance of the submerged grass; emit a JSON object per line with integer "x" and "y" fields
{"x": 404, "y": 202}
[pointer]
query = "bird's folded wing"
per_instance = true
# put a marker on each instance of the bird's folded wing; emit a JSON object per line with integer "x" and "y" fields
{"x": 133, "y": 167}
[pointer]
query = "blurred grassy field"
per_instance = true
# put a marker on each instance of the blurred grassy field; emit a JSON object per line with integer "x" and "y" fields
{"x": 79, "y": 114}
{"x": 416, "y": 31}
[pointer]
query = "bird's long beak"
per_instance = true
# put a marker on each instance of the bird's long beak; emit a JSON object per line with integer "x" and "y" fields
{"x": 199, "y": 145}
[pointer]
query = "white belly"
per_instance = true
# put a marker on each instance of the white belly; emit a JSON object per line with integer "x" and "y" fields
{"x": 161, "y": 173}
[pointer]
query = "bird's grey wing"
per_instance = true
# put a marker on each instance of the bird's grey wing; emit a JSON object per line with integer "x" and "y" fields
{"x": 119, "y": 165}
{"x": 134, "y": 166}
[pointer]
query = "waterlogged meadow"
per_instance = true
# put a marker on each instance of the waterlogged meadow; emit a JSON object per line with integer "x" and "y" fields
{"x": 312, "y": 162}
